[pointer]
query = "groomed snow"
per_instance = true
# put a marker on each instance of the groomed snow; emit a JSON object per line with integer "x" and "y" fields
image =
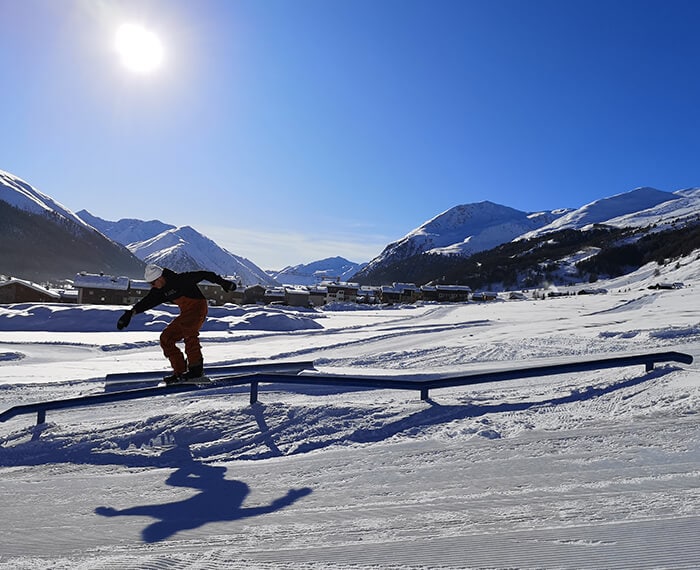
{"x": 589, "y": 470}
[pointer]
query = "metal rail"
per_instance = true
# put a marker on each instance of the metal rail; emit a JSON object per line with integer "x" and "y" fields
{"x": 291, "y": 366}
{"x": 647, "y": 360}
{"x": 318, "y": 379}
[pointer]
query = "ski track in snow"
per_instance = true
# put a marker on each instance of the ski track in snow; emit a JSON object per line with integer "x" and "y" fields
{"x": 589, "y": 470}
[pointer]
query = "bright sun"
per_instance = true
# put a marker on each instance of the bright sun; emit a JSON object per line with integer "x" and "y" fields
{"x": 140, "y": 49}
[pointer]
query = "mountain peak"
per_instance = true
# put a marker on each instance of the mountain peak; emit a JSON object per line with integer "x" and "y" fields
{"x": 126, "y": 230}
{"x": 180, "y": 249}
{"x": 607, "y": 209}
{"x": 310, "y": 274}
{"x": 38, "y": 238}
{"x": 463, "y": 230}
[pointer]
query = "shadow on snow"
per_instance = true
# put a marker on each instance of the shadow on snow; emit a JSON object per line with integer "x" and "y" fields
{"x": 218, "y": 500}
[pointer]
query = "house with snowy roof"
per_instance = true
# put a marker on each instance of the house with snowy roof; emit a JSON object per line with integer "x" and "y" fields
{"x": 341, "y": 292}
{"x": 15, "y": 290}
{"x": 446, "y": 293}
{"x": 400, "y": 293}
{"x": 101, "y": 289}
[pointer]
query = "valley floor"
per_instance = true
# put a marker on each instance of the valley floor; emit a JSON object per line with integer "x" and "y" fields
{"x": 590, "y": 470}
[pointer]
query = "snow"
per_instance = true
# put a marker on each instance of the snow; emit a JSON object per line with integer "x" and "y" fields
{"x": 589, "y": 470}
{"x": 471, "y": 228}
{"x": 178, "y": 248}
{"x": 20, "y": 194}
{"x": 328, "y": 269}
{"x": 185, "y": 249}
{"x": 126, "y": 230}
{"x": 464, "y": 230}
{"x": 637, "y": 208}
{"x": 101, "y": 281}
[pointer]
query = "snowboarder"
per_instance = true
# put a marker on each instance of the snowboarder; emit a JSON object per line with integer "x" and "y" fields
{"x": 181, "y": 289}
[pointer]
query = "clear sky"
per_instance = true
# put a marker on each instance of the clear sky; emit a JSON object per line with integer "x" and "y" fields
{"x": 292, "y": 130}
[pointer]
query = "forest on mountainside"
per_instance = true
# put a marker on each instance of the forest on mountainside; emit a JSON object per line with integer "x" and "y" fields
{"x": 544, "y": 259}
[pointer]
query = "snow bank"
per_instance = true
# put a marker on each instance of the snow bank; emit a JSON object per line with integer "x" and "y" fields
{"x": 95, "y": 318}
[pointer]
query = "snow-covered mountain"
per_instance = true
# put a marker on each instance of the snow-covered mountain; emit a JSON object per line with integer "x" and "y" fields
{"x": 465, "y": 230}
{"x": 471, "y": 228}
{"x": 41, "y": 239}
{"x": 683, "y": 209}
{"x": 126, "y": 230}
{"x": 639, "y": 207}
{"x": 334, "y": 268}
{"x": 179, "y": 249}
{"x": 22, "y": 195}
{"x": 185, "y": 249}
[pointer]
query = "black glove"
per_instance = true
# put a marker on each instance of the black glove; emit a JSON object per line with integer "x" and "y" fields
{"x": 228, "y": 285}
{"x": 124, "y": 320}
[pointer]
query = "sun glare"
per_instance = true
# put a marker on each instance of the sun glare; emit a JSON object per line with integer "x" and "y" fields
{"x": 139, "y": 48}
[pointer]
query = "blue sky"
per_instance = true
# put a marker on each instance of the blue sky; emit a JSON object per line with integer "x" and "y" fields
{"x": 292, "y": 130}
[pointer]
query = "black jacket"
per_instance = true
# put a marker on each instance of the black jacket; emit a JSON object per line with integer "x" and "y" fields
{"x": 176, "y": 285}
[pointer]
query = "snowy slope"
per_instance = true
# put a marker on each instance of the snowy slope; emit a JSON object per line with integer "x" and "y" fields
{"x": 639, "y": 204}
{"x": 577, "y": 471}
{"x": 22, "y": 195}
{"x": 333, "y": 268}
{"x": 465, "y": 230}
{"x": 471, "y": 228}
{"x": 38, "y": 238}
{"x": 185, "y": 249}
{"x": 180, "y": 249}
{"x": 683, "y": 209}
{"x": 127, "y": 230}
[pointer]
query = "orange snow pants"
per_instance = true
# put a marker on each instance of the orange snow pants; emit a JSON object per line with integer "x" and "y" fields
{"x": 185, "y": 327}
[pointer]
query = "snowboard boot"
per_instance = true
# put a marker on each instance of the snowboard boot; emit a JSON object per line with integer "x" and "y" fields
{"x": 173, "y": 379}
{"x": 194, "y": 371}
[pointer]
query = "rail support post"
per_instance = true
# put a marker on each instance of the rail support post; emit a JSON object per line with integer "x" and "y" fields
{"x": 253, "y": 392}
{"x": 424, "y": 394}
{"x": 41, "y": 416}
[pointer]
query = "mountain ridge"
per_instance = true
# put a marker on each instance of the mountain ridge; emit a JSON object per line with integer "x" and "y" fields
{"x": 637, "y": 208}
{"x": 181, "y": 249}
{"x": 41, "y": 239}
{"x": 455, "y": 234}
{"x": 332, "y": 268}
{"x": 463, "y": 230}
{"x": 126, "y": 230}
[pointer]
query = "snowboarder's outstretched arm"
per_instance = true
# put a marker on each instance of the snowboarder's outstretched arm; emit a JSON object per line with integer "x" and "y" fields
{"x": 212, "y": 277}
{"x": 154, "y": 298}
{"x": 125, "y": 319}
{"x": 176, "y": 285}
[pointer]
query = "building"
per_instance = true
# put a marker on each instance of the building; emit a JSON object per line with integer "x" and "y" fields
{"x": 485, "y": 296}
{"x": 369, "y": 295}
{"x": 253, "y": 295}
{"x": 138, "y": 289}
{"x": 317, "y": 295}
{"x": 399, "y": 293}
{"x": 446, "y": 293}
{"x": 20, "y": 291}
{"x": 341, "y": 292}
{"x": 297, "y": 297}
{"x": 216, "y": 295}
{"x": 275, "y": 295}
{"x": 101, "y": 289}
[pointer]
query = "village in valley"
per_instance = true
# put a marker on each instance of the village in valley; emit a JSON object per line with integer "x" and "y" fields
{"x": 101, "y": 289}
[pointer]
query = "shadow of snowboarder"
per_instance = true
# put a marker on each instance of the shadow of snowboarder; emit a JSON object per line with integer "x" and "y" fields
{"x": 220, "y": 500}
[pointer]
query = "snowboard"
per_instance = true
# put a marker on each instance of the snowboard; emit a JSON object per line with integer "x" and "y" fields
{"x": 199, "y": 381}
